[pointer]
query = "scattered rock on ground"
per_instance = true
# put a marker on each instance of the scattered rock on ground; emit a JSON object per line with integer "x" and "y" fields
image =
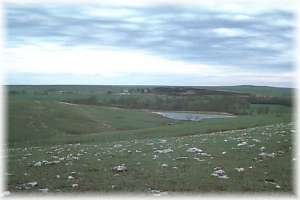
{"x": 43, "y": 189}
{"x": 239, "y": 169}
{"x": 38, "y": 164}
{"x": 242, "y": 144}
{"x": 119, "y": 168}
{"x": 220, "y": 173}
{"x": 194, "y": 150}
{"x": 27, "y": 186}
{"x": 263, "y": 154}
{"x": 164, "y": 151}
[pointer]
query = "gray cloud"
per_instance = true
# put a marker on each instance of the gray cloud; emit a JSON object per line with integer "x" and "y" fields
{"x": 193, "y": 34}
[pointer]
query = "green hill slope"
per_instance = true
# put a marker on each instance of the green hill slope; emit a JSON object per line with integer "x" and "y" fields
{"x": 35, "y": 120}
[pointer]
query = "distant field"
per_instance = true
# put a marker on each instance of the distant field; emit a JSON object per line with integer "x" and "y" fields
{"x": 257, "y": 90}
{"x": 55, "y": 132}
{"x": 231, "y": 99}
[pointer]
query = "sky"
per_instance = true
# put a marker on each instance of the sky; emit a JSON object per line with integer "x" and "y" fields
{"x": 150, "y": 42}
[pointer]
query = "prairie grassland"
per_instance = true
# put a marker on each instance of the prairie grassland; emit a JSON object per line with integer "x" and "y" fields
{"x": 252, "y": 160}
{"x": 55, "y": 145}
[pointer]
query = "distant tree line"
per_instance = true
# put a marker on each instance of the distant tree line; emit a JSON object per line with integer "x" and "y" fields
{"x": 17, "y": 92}
{"x": 285, "y": 101}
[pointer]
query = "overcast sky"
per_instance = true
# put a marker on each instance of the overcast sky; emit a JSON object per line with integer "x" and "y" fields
{"x": 150, "y": 42}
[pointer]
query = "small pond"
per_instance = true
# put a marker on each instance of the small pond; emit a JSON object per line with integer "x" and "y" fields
{"x": 192, "y": 116}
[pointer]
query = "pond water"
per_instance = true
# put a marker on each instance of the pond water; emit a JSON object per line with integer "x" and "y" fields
{"x": 191, "y": 116}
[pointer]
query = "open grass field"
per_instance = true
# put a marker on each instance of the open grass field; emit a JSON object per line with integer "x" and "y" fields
{"x": 257, "y": 90}
{"x": 57, "y": 146}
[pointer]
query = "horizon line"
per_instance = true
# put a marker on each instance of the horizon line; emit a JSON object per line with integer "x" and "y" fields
{"x": 243, "y": 85}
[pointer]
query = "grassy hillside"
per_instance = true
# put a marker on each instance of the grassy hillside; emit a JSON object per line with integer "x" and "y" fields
{"x": 253, "y": 160}
{"x": 43, "y": 120}
{"x": 52, "y": 122}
